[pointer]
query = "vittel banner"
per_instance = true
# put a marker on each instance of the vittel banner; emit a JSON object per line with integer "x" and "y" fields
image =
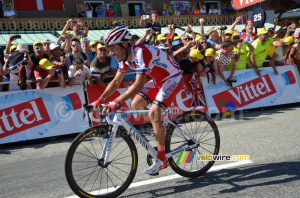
{"x": 253, "y": 91}
{"x": 33, "y": 114}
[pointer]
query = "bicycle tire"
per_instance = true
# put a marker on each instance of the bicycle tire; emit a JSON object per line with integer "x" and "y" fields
{"x": 92, "y": 138}
{"x": 186, "y": 119}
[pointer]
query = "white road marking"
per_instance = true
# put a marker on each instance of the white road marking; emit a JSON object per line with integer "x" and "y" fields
{"x": 174, "y": 176}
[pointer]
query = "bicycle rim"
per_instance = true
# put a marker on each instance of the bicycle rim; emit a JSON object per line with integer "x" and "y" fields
{"x": 203, "y": 129}
{"x": 86, "y": 174}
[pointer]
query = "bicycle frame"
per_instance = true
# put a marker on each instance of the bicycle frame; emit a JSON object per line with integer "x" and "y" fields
{"x": 120, "y": 120}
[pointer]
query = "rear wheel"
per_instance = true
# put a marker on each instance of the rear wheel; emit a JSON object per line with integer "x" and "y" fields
{"x": 201, "y": 128}
{"x": 85, "y": 171}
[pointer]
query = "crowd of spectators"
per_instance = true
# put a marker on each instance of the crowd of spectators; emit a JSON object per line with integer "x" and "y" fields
{"x": 74, "y": 58}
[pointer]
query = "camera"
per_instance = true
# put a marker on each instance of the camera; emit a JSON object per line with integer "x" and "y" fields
{"x": 74, "y": 22}
{"x": 146, "y": 17}
{"x": 57, "y": 71}
{"x": 223, "y": 28}
{"x": 15, "y": 37}
{"x": 230, "y": 81}
{"x": 170, "y": 41}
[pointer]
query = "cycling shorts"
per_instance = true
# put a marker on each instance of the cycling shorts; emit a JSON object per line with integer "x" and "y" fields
{"x": 163, "y": 96}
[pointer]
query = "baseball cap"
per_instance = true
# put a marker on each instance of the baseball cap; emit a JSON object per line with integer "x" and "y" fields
{"x": 175, "y": 43}
{"x": 229, "y": 32}
{"x": 297, "y": 33}
{"x": 235, "y": 35}
{"x": 198, "y": 37}
{"x": 85, "y": 40}
{"x": 211, "y": 29}
{"x": 22, "y": 46}
{"x": 93, "y": 43}
{"x": 288, "y": 40}
{"x": 160, "y": 37}
{"x": 243, "y": 30}
{"x": 45, "y": 64}
{"x": 36, "y": 43}
{"x": 46, "y": 41}
{"x": 99, "y": 46}
{"x": 53, "y": 46}
{"x": 75, "y": 39}
{"x": 177, "y": 38}
{"x": 195, "y": 53}
{"x": 13, "y": 47}
{"x": 262, "y": 31}
{"x": 161, "y": 46}
{"x": 210, "y": 52}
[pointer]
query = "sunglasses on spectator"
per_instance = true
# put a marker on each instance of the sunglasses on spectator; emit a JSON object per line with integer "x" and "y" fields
{"x": 46, "y": 44}
{"x": 75, "y": 45}
{"x": 236, "y": 38}
{"x": 203, "y": 42}
{"x": 103, "y": 50}
{"x": 38, "y": 48}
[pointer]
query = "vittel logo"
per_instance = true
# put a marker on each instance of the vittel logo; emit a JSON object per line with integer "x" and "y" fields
{"x": 22, "y": 116}
{"x": 245, "y": 94}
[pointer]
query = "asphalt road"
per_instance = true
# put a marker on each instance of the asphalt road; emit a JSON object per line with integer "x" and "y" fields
{"x": 271, "y": 138}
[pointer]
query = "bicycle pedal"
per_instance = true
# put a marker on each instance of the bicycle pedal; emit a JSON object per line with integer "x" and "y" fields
{"x": 155, "y": 174}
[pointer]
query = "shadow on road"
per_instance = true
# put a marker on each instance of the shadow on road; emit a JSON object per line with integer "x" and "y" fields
{"x": 239, "y": 179}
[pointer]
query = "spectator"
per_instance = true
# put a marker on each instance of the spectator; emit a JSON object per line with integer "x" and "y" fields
{"x": 248, "y": 35}
{"x": 212, "y": 41}
{"x": 196, "y": 11}
{"x": 15, "y": 63}
{"x": 260, "y": 46}
{"x": 217, "y": 10}
{"x": 164, "y": 12}
{"x": 182, "y": 12}
{"x": 76, "y": 25}
{"x": 154, "y": 25}
{"x": 46, "y": 46}
{"x": 224, "y": 56}
{"x": 241, "y": 50}
{"x": 211, "y": 10}
{"x": 75, "y": 47}
{"x": 142, "y": 12}
{"x": 160, "y": 39}
{"x": 101, "y": 66}
{"x": 115, "y": 7}
{"x": 280, "y": 53}
{"x": 58, "y": 58}
{"x": 148, "y": 11}
{"x": 188, "y": 65}
{"x": 10, "y": 48}
{"x": 225, "y": 9}
{"x": 46, "y": 72}
{"x": 295, "y": 51}
{"x": 208, "y": 65}
{"x": 178, "y": 50}
{"x": 110, "y": 12}
{"x": 80, "y": 13}
{"x": 85, "y": 46}
{"x": 89, "y": 11}
{"x": 172, "y": 11}
{"x": 8, "y": 13}
{"x": 177, "y": 12}
{"x": 93, "y": 50}
{"x": 79, "y": 72}
{"x": 203, "y": 10}
{"x": 228, "y": 35}
{"x": 99, "y": 10}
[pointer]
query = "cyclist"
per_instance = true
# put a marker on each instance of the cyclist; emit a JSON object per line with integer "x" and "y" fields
{"x": 166, "y": 82}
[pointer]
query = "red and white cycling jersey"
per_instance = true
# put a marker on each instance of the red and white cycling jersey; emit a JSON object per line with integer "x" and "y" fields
{"x": 152, "y": 61}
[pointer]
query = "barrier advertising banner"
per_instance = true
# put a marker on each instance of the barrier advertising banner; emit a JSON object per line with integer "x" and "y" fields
{"x": 253, "y": 91}
{"x": 33, "y": 114}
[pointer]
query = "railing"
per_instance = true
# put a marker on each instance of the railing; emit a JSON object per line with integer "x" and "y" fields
{"x": 35, "y": 24}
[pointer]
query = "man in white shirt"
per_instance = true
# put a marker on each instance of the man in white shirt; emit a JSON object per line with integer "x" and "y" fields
{"x": 9, "y": 13}
{"x": 203, "y": 10}
{"x": 217, "y": 10}
{"x": 211, "y": 10}
{"x": 80, "y": 72}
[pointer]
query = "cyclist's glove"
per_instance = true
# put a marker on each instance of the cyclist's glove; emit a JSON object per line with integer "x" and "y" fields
{"x": 98, "y": 102}
{"x": 113, "y": 106}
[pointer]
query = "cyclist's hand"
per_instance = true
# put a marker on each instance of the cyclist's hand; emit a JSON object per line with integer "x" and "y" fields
{"x": 98, "y": 102}
{"x": 111, "y": 107}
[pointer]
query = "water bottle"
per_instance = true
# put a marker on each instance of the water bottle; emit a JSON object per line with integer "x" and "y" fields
{"x": 32, "y": 114}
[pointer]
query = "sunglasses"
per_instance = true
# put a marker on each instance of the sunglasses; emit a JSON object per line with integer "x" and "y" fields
{"x": 236, "y": 38}
{"x": 203, "y": 42}
{"x": 75, "y": 45}
{"x": 103, "y": 50}
{"x": 46, "y": 44}
{"x": 38, "y": 48}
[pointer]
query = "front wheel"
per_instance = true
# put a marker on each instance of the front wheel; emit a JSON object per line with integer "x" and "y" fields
{"x": 201, "y": 128}
{"x": 86, "y": 173}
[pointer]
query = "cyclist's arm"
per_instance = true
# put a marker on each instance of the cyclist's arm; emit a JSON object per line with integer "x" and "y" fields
{"x": 134, "y": 89}
{"x": 113, "y": 85}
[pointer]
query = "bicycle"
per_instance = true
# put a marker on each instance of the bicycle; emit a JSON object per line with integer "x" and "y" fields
{"x": 105, "y": 156}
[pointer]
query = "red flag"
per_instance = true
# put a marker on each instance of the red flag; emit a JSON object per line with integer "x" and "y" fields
{"x": 38, "y": 4}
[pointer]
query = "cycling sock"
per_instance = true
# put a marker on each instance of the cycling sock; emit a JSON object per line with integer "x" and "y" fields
{"x": 161, "y": 153}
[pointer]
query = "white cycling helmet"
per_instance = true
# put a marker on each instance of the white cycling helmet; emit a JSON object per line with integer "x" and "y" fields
{"x": 117, "y": 35}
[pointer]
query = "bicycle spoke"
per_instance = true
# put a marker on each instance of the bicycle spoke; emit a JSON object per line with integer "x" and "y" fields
{"x": 206, "y": 150}
{"x": 89, "y": 151}
{"x": 206, "y": 134}
{"x": 95, "y": 180}
{"x": 207, "y": 140}
{"x": 116, "y": 176}
{"x": 84, "y": 168}
{"x": 119, "y": 158}
{"x": 119, "y": 169}
{"x": 87, "y": 155}
{"x": 93, "y": 148}
{"x": 118, "y": 155}
{"x": 100, "y": 181}
{"x": 89, "y": 177}
{"x": 86, "y": 175}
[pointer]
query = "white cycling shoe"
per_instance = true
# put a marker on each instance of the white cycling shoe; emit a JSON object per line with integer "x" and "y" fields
{"x": 156, "y": 167}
